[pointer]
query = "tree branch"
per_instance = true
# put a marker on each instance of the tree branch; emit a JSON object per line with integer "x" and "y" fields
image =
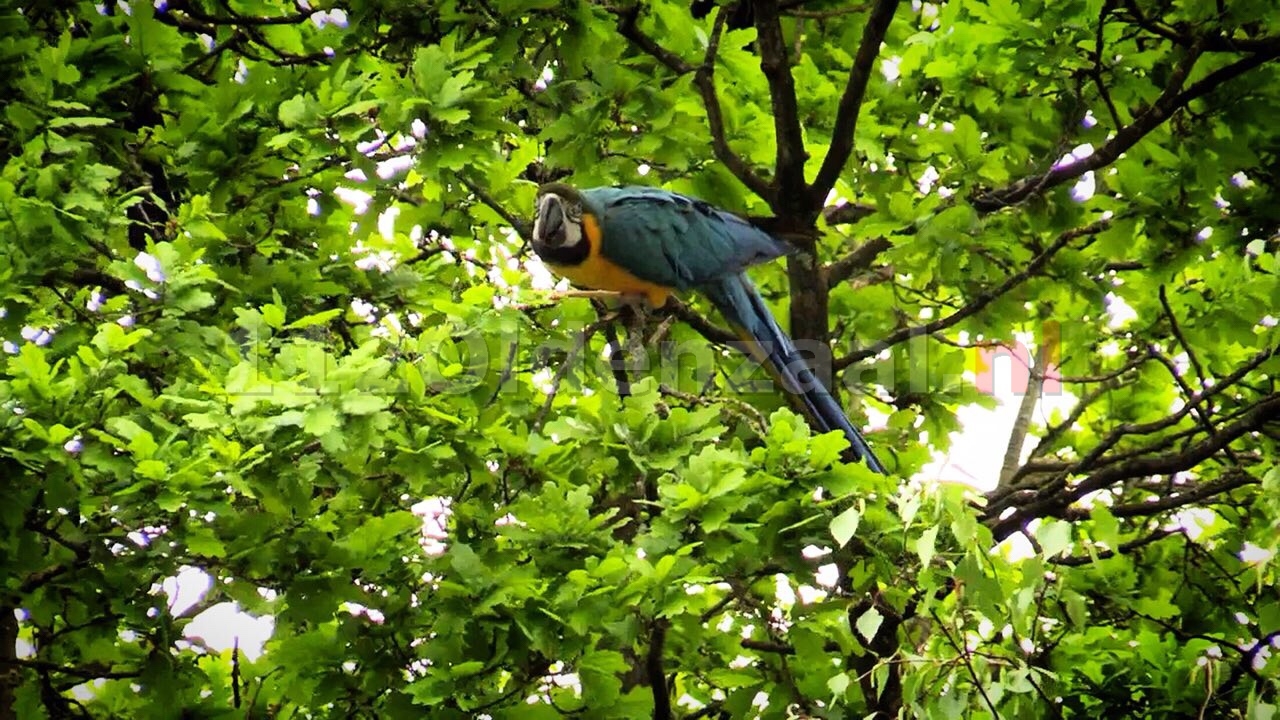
{"x": 565, "y": 366}
{"x": 629, "y": 29}
{"x": 704, "y": 81}
{"x": 966, "y": 656}
{"x": 1124, "y": 549}
{"x": 617, "y": 361}
{"x": 842, "y": 134}
{"x": 1216, "y": 42}
{"x": 1054, "y": 499}
{"x": 9, "y": 682}
{"x": 776, "y": 67}
{"x": 1026, "y": 409}
{"x": 705, "y": 327}
{"x": 657, "y": 677}
{"x": 1092, "y": 459}
{"x": 88, "y": 672}
{"x": 847, "y": 213}
{"x": 767, "y": 646}
{"x": 1169, "y": 101}
{"x": 520, "y": 226}
{"x": 1177, "y": 334}
{"x": 979, "y": 303}
{"x": 1231, "y": 480}
{"x": 856, "y": 262}
{"x": 824, "y": 14}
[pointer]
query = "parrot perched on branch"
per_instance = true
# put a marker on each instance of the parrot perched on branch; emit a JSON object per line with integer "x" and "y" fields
{"x": 647, "y": 242}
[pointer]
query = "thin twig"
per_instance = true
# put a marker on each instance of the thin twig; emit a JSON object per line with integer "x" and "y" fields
{"x": 964, "y": 654}
{"x": 979, "y": 303}
{"x": 1177, "y": 334}
{"x": 1053, "y": 499}
{"x": 1124, "y": 549}
{"x": 745, "y": 411}
{"x": 629, "y": 28}
{"x": 520, "y": 226}
{"x": 563, "y": 371}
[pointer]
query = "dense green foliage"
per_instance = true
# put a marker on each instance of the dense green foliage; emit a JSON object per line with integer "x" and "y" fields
{"x": 264, "y": 309}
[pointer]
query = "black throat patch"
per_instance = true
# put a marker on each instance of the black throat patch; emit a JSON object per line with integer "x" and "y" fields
{"x": 570, "y": 255}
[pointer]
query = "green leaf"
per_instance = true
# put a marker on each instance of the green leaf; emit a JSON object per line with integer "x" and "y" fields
{"x": 358, "y": 403}
{"x": 320, "y": 318}
{"x": 320, "y": 420}
{"x": 467, "y": 668}
{"x": 838, "y": 684}
{"x": 868, "y": 623}
{"x": 273, "y": 315}
{"x": 80, "y": 122}
{"x": 202, "y": 542}
{"x": 926, "y": 544}
{"x": 152, "y": 469}
{"x": 295, "y": 111}
{"x": 845, "y": 525}
{"x": 1158, "y": 606}
{"x": 1054, "y": 537}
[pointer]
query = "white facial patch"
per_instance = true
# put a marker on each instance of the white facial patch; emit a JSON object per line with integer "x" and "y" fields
{"x": 550, "y": 204}
{"x": 572, "y": 233}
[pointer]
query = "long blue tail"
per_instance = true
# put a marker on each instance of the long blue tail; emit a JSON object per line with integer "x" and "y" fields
{"x": 742, "y": 306}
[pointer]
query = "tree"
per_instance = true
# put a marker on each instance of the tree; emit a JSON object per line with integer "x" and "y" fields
{"x": 265, "y": 306}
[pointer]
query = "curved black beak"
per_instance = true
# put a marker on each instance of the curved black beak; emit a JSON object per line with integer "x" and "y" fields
{"x": 550, "y": 229}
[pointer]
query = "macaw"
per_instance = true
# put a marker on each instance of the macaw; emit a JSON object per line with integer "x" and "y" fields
{"x": 648, "y": 242}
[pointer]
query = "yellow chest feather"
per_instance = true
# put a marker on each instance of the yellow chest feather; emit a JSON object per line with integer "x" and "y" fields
{"x": 598, "y": 273}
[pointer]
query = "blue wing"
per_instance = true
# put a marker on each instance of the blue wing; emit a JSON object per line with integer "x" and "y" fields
{"x": 674, "y": 240}
{"x": 683, "y": 243}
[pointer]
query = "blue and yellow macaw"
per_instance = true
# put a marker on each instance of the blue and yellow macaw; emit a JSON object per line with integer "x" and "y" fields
{"x": 643, "y": 241}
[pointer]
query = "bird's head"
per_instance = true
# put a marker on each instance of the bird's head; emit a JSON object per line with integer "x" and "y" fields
{"x": 557, "y": 222}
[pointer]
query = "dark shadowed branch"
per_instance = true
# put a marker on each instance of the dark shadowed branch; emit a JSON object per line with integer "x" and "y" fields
{"x": 1195, "y": 493}
{"x": 629, "y": 28}
{"x": 1054, "y": 498}
{"x": 87, "y": 672}
{"x": 617, "y": 361}
{"x": 857, "y": 261}
{"x": 704, "y": 80}
{"x": 705, "y": 327}
{"x": 851, "y": 101}
{"x": 657, "y": 676}
{"x": 1210, "y": 42}
{"x": 847, "y": 213}
{"x": 776, "y": 66}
